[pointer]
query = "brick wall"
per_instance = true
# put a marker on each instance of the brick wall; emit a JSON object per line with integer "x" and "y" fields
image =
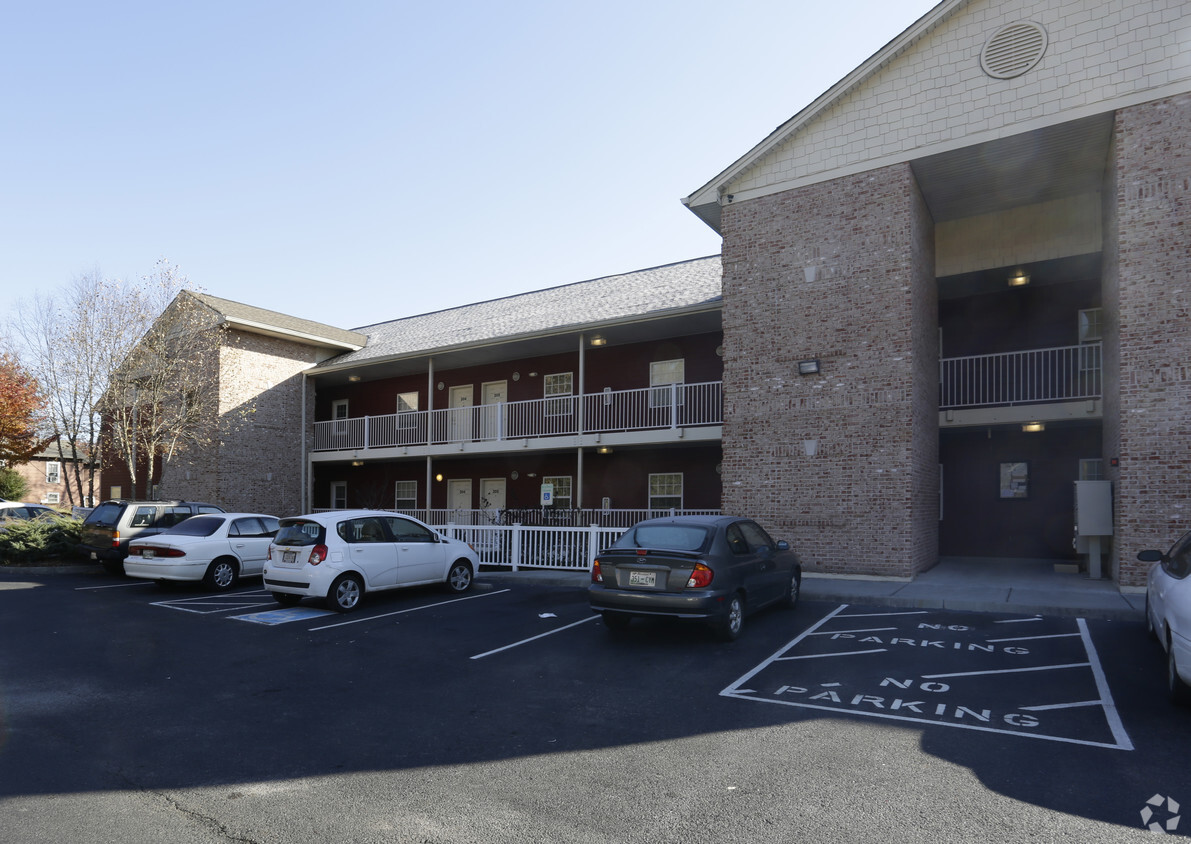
{"x": 841, "y": 271}
{"x": 1152, "y": 295}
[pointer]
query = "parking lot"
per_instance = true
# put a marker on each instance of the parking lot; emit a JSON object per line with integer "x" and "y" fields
{"x": 516, "y": 695}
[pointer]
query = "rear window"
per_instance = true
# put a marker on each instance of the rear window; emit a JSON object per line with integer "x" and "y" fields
{"x": 107, "y": 514}
{"x": 294, "y": 532}
{"x": 667, "y": 537}
{"x": 195, "y": 526}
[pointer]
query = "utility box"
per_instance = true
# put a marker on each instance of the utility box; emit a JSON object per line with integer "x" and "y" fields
{"x": 1093, "y": 520}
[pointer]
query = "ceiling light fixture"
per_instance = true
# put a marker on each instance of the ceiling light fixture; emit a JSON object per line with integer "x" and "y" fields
{"x": 1020, "y": 278}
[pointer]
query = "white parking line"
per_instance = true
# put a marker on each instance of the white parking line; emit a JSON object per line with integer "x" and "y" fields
{"x": 1110, "y": 707}
{"x": 113, "y": 586}
{"x": 539, "y": 636}
{"x": 1032, "y": 638}
{"x": 1006, "y": 671}
{"x": 842, "y": 653}
{"x": 411, "y": 609}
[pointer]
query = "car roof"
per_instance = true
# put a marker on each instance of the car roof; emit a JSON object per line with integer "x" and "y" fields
{"x": 706, "y": 521}
{"x": 335, "y": 516}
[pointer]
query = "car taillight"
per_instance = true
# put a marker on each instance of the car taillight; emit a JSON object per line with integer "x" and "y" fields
{"x": 700, "y": 577}
{"x": 115, "y": 539}
{"x": 596, "y": 577}
{"x": 318, "y": 555}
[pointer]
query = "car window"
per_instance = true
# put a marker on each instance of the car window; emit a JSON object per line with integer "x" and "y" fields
{"x": 368, "y": 529}
{"x": 737, "y": 544}
{"x": 670, "y": 537}
{"x": 405, "y": 530}
{"x": 198, "y": 526}
{"x": 250, "y": 526}
{"x": 271, "y": 525}
{"x": 299, "y": 532}
{"x": 209, "y": 508}
{"x": 756, "y": 536}
{"x": 108, "y": 514}
{"x": 143, "y": 517}
{"x": 1178, "y": 563}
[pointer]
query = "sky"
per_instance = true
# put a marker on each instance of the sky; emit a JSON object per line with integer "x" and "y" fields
{"x": 362, "y": 161}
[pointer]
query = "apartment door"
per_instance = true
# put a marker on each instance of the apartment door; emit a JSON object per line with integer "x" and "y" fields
{"x": 493, "y": 395}
{"x": 459, "y": 496}
{"x": 460, "y": 413}
{"x": 492, "y": 498}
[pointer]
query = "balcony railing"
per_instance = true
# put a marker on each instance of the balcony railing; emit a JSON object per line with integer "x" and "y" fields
{"x": 1037, "y": 376}
{"x": 652, "y": 408}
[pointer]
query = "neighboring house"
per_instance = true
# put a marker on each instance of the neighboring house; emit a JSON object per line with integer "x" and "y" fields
{"x": 46, "y": 474}
{"x": 981, "y": 236}
{"x": 952, "y": 287}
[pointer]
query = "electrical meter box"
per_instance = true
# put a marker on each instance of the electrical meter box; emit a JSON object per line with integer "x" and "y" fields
{"x": 1093, "y": 519}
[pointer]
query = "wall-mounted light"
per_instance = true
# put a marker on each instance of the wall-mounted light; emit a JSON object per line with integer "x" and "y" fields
{"x": 438, "y": 477}
{"x": 808, "y": 367}
{"x": 1020, "y": 278}
{"x": 353, "y": 378}
{"x": 599, "y": 341}
{"x": 603, "y": 450}
{"x": 533, "y": 375}
{"x": 1033, "y": 427}
{"x": 357, "y": 462}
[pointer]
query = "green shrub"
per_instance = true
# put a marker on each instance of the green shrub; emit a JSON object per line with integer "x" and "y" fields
{"x": 30, "y": 540}
{"x": 12, "y": 486}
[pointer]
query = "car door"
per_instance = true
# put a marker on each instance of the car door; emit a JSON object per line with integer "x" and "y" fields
{"x": 1170, "y": 598}
{"x": 249, "y": 538}
{"x": 370, "y": 551}
{"x": 771, "y": 579}
{"x": 746, "y": 563}
{"x": 421, "y": 557}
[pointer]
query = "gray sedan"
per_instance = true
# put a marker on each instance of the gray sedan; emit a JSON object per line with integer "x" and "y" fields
{"x": 714, "y": 568}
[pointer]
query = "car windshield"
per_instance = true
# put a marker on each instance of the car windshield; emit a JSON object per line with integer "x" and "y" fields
{"x": 299, "y": 533}
{"x": 107, "y": 513}
{"x": 670, "y": 537}
{"x": 195, "y": 526}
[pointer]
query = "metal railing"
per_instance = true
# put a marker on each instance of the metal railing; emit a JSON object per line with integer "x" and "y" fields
{"x": 650, "y": 408}
{"x": 1064, "y": 373}
{"x": 539, "y": 516}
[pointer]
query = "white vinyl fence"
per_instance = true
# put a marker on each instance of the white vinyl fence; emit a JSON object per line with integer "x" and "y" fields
{"x": 520, "y": 546}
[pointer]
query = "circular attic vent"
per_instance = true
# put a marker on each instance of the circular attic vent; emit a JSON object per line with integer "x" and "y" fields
{"x": 1013, "y": 49}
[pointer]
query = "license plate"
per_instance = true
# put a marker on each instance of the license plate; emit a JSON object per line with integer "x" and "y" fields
{"x": 147, "y": 553}
{"x": 289, "y": 556}
{"x": 643, "y": 578}
{"x": 94, "y": 556}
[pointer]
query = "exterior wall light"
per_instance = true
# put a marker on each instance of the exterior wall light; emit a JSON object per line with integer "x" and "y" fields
{"x": 438, "y": 477}
{"x": 1020, "y": 278}
{"x": 599, "y": 341}
{"x": 603, "y": 450}
{"x": 357, "y": 462}
{"x": 353, "y": 378}
{"x": 1033, "y": 427}
{"x": 808, "y": 367}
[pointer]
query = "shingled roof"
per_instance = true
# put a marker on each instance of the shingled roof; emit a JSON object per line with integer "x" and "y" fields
{"x": 263, "y": 321}
{"x": 673, "y": 287}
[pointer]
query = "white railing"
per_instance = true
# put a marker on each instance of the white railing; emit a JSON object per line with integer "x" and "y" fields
{"x": 539, "y": 517}
{"x": 1036, "y": 376}
{"x": 519, "y": 546}
{"x": 651, "y": 408}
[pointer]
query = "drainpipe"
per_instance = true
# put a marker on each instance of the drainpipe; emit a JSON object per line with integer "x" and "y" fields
{"x": 303, "y": 491}
{"x": 429, "y": 431}
{"x": 578, "y": 501}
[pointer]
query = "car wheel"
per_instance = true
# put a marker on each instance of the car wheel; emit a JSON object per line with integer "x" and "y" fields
{"x": 794, "y": 590}
{"x": 1180, "y": 692}
{"x": 459, "y": 577}
{"x": 345, "y": 593}
{"x": 221, "y": 574}
{"x": 616, "y": 621}
{"x": 732, "y": 621}
{"x": 286, "y": 599}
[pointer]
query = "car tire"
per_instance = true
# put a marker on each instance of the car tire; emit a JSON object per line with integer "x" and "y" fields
{"x": 1180, "y": 692}
{"x": 729, "y": 625}
{"x": 459, "y": 578}
{"x": 345, "y": 593}
{"x": 793, "y": 591}
{"x": 616, "y": 621}
{"x": 286, "y": 599}
{"x": 221, "y": 575}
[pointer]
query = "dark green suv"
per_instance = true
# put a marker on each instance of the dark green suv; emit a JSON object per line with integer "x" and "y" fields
{"x": 110, "y": 526}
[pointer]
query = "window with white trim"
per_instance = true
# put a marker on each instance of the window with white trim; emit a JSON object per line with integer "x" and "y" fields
{"x": 664, "y": 378}
{"x": 1091, "y": 325}
{"x": 562, "y": 490}
{"x": 407, "y": 407}
{"x": 53, "y": 498}
{"x": 557, "y": 385}
{"x": 665, "y": 491}
{"x": 339, "y": 495}
{"x": 1091, "y": 469}
{"x": 53, "y": 472}
{"x": 405, "y": 496}
{"x": 339, "y": 414}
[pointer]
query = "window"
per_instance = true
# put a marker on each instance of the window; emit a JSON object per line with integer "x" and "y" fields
{"x": 143, "y": 517}
{"x": 407, "y": 406}
{"x": 559, "y": 384}
{"x": 1091, "y": 325}
{"x": 362, "y": 530}
{"x": 562, "y": 490}
{"x": 339, "y": 495}
{"x": 52, "y": 498}
{"x": 664, "y": 376}
{"x": 665, "y": 491}
{"x": 756, "y": 536}
{"x": 1091, "y": 469}
{"x": 53, "y": 472}
{"x": 406, "y": 495}
{"x": 339, "y": 414}
{"x": 405, "y": 530}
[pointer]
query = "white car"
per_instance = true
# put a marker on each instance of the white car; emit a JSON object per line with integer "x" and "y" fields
{"x": 1168, "y": 612}
{"x": 339, "y": 556}
{"x": 216, "y": 548}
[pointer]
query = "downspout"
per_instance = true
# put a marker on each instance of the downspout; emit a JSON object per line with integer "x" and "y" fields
{"x": 429, "y": 431}
{"x": 578, "y": 502}
{"x": 303, "y": 491}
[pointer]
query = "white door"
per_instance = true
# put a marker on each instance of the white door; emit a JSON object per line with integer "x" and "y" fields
{"x": 492, "y": 497}
{"x": 421, "y": 554}
{"x": 459, "y": 495}
{"x": 493, "y": 396}
{"x": 460, "y": 413}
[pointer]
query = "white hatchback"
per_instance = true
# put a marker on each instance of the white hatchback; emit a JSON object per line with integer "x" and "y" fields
{"x": 216, "y": 548}
{"x": 341, "y": 555}
{"x": 1168, "y": 612}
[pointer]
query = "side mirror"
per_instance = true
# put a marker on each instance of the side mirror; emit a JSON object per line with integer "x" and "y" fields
{"x": 1151, "y": 556}
{"x": 783, "y": 545}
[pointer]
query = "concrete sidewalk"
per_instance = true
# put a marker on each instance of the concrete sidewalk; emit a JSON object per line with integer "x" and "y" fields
{"x": 1006, "y": 586}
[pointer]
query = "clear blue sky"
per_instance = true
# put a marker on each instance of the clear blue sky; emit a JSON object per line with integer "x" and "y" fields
{"x": 362, "y": 161}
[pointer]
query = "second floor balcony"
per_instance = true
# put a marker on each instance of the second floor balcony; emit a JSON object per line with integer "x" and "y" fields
{"x": 672, "y": 407}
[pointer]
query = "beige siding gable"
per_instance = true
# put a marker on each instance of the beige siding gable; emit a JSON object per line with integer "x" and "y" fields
{"x": 933, "y": 96}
